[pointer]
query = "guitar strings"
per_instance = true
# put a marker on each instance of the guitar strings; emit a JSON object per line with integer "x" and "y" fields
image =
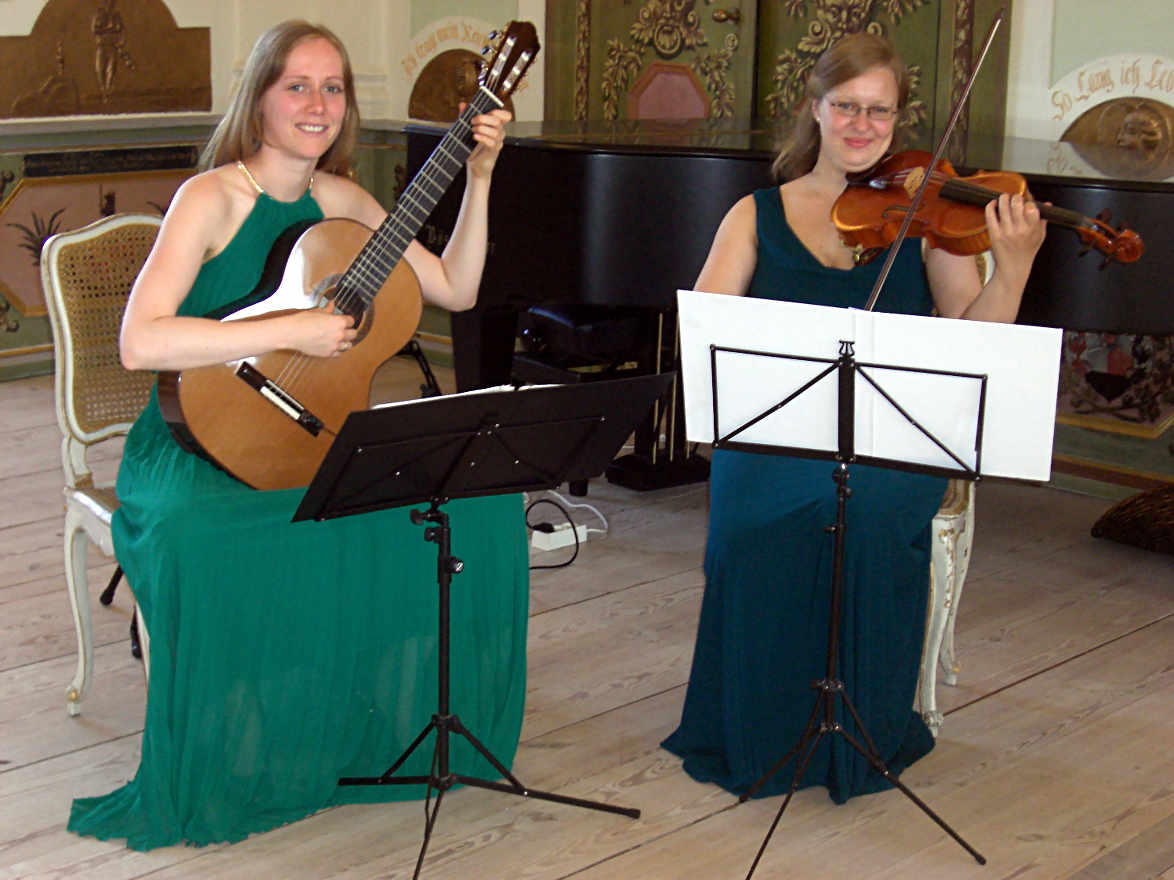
{"x": 373, "y": 262}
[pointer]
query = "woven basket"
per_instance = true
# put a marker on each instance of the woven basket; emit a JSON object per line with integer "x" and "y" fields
{"x": 1145, "y": 520}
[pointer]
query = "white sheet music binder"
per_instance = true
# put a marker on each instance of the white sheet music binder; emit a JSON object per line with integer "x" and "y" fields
{"x": 1020, "y": 365}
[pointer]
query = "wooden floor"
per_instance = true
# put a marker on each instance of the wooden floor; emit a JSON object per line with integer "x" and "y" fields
{"x": 1056, "y": 759}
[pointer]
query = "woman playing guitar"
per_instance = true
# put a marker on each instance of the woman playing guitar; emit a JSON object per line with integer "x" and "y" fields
{"x": 286, "y": 655}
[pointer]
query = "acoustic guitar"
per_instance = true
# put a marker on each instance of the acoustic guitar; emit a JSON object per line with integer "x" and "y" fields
{"x": 269, "y": 420}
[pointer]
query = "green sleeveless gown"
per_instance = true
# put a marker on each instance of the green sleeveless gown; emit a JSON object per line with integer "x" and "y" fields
{"x": 284, "y": 656}
{"x": 763, "y": 634}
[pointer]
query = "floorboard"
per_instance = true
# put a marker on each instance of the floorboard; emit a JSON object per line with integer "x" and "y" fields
{"x": 1055, "y": 759}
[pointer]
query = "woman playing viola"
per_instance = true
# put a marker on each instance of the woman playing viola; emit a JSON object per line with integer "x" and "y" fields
{"x": 763, "y": 631}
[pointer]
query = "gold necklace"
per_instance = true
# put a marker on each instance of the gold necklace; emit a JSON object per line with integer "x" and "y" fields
{"x": 245, "y": 170}
{"x": 260, "y": 189}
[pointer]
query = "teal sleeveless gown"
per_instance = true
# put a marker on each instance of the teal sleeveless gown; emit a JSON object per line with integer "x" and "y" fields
{"x": 283, "y": 656}
{"x": 763, "y": 633}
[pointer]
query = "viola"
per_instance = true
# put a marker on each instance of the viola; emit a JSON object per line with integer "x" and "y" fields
{"x": 869, "y": 213}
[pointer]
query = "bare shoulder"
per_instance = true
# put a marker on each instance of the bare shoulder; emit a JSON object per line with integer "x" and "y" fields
{"x": 733, "y": 254}
{"x": 212, "y": 190}
{"x": 741, "y": 220}
{"x": 339, "y": 196}
{"x": 208, "y": 208}
{"x": 743, "y": 209}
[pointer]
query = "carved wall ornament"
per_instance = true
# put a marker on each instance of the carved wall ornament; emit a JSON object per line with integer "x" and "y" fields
{"x": 714, "y": 69}
{"x": 582, "y": 57}
{"x": 833, "y": 20}
{"x": 621, "y": 67}
{"x": 105, "y": 56}
{"x": 961, "y": 64}
{"x": 669, "y": 26}
{"x": 110, "y": 49}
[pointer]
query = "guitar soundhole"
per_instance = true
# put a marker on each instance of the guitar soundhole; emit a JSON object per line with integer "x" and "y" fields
{"x": 326, "y": 296}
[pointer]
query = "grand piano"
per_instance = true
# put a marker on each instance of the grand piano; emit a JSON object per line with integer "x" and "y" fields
{"x": 624, "y": 213}
{"x": 619, "y": 214}
{"x": 607, "y": 215}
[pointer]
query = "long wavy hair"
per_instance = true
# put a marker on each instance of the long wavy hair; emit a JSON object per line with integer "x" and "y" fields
{"x": 238, "y": 134}
{"x": 850, "y": 57}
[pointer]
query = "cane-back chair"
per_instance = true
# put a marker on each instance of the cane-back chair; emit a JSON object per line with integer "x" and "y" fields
{"x": 87, "y": 274}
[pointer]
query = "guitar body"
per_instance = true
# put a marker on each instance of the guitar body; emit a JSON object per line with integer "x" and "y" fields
{"x": 269, "y": 420}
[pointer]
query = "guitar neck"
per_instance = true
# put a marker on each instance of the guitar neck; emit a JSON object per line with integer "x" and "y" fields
{"x": 388, "y": 243}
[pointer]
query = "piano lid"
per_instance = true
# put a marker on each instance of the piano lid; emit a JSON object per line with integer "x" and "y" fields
{"x": 605, "y": 213}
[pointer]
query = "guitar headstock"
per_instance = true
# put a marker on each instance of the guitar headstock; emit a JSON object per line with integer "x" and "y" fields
{"x": 516, "y": 48}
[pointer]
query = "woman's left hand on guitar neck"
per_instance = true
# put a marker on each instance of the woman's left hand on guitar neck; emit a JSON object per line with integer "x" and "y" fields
{"x": 489, "y": 133}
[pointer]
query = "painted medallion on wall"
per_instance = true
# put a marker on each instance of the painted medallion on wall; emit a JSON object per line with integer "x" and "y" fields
{"x": 1126, "y": 137}
{"x": 444, "y": 83}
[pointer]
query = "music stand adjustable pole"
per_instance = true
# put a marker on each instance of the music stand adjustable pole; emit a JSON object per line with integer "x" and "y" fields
{"x": 823, "y": 716}
{"x": 444, "y": 722}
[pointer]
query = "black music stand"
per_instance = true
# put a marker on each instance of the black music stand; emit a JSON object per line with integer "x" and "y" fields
{"x": 462, "y": 446}
{"x": 846, "y": 370}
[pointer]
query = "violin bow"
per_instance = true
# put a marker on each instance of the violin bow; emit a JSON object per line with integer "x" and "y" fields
{"x": 915, "y": 203}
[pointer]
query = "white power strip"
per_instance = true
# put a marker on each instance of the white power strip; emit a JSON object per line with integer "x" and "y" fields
{"x": 560, "y": 537}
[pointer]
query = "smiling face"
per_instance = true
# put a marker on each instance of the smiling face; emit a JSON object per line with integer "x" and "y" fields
{"x": 856, "y": 143}
{"x": 302, "y": 112}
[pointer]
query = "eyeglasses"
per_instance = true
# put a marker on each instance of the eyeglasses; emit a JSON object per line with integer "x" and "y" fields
{"x": 877, "y": 112}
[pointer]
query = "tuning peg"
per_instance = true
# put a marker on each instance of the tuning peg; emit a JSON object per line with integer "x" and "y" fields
{"x": 493, "y": 35}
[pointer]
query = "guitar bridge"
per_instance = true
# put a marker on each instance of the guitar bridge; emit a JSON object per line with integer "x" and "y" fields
{"x": 277, "y": 396}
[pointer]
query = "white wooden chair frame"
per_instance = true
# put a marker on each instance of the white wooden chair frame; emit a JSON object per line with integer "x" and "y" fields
{"x": 952, "y": 536}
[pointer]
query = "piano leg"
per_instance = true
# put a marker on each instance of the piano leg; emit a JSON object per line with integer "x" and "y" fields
{"x": 656, "y": 463}
{"x": 483, "y": 347}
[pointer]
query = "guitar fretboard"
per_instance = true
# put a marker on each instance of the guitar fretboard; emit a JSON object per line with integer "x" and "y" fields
{"x": 383, "y": 251}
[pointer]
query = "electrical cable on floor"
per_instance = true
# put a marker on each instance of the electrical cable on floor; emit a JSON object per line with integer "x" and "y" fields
{"x": 573, "y": 506}
{"x": 548, "y": 527}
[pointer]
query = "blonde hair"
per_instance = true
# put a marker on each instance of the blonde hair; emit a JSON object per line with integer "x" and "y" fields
{"x": 238, "y": 134}
{"x": 850, "y": 57}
